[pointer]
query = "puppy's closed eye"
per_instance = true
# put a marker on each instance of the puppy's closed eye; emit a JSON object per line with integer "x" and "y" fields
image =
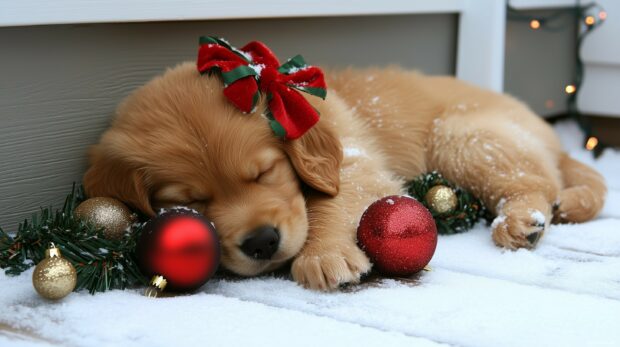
{"x": 175, "y": 194}
{"x": 266, "y": 166}
{"x": 265, "y": 176}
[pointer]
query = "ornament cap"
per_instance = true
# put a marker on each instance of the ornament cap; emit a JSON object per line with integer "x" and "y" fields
{"x": 156, "y": 286}
{"x": 52, "y": 251}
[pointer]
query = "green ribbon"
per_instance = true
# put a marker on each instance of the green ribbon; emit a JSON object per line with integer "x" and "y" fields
{"x": 277, "y": 128}
{"x": 239, "y": 72}
{"x": 296, "y": 62}
{"x": 320, "y": 92}
{"x": 255, "y": 100}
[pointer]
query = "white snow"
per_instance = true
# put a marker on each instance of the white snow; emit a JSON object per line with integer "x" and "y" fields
{"x": 538, "y": 217}
{"x": 353, "y": 152}
{"x": 566, "y": 292}
{"x": 295, "y": 69}
{"x": 258, "y": 68}
{"x": 500, "y": 205}
{"x": 497, "y": 221}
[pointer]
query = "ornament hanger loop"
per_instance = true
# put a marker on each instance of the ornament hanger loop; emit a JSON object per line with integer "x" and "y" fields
{"x": 52, "y": 251}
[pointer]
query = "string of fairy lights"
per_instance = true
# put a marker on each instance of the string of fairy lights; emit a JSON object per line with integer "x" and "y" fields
{"x": 589, "y": 17}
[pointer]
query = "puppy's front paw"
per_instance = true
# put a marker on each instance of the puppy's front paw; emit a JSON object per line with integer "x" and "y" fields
{"x": 329, "y": 269}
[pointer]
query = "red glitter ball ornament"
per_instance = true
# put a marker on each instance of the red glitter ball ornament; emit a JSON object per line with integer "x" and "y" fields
{"x": 398, "y": 234}
{"x": 179, "y": 249}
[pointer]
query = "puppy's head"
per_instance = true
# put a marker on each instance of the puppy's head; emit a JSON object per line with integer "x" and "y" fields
{"x": 178, "y": 141}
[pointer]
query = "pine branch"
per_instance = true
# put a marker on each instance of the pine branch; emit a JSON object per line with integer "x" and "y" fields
{"x": 468, "y": 211}
{"x": 101, "y": 264}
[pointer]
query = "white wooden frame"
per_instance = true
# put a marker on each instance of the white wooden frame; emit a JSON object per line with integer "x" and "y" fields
{"x": 480, "y": 53}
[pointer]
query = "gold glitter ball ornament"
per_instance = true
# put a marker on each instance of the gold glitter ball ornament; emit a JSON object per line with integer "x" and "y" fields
{"x": 441, "y": 199}
{"x": 107, "y": 213}
{"x": 54, "y": 277}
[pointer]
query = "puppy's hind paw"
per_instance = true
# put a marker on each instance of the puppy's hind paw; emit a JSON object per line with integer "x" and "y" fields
{"x": 330, "y": 270}
{"x": 518, "y": 230}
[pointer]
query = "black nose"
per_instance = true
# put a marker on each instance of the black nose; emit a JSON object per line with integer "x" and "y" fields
{"x": 262, "y": 243}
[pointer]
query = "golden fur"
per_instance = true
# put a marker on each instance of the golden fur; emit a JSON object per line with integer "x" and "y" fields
{"x": 178, "y": 141}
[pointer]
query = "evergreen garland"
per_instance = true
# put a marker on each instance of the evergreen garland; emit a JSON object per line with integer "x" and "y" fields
{"x": 467, "y": 212}
{"x": 101, "y": 264}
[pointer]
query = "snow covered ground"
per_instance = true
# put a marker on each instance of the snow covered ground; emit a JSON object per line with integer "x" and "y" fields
{"x": 564, "y": 293}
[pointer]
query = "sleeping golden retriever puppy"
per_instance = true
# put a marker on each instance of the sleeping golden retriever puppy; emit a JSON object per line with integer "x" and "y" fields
{"x": 179, "y": 141}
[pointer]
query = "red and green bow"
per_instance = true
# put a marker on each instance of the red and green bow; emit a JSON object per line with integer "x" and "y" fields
{"x": 253, "y": 69}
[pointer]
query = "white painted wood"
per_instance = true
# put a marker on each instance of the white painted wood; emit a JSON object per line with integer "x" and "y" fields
{"x": 480, "y": 53}
{"x": 602, "y": 46}
{"x": 37, "y": 12}
{"x": 600, "y": 91}
{"x": 541, "y": 4}
{"x": 599, "y": 96}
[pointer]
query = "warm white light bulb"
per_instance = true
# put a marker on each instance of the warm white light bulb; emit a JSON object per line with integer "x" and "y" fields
{"x": 591, "y": 143}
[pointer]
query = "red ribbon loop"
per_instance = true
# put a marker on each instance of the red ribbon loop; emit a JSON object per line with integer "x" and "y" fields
{"x": 255, "y": 68}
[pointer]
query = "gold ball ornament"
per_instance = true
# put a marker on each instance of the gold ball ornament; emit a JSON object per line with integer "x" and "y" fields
{"x": 441, "y": 199}
{"x": 54, "y": 277}
{"x": 107, "y": 213}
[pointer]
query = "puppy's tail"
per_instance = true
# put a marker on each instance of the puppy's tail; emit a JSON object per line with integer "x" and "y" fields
{"x": 583, "y": 195}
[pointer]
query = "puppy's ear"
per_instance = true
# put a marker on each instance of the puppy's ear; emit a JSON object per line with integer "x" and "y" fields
{"x": 109, "y": 176}
{"x": 316, "y": 156}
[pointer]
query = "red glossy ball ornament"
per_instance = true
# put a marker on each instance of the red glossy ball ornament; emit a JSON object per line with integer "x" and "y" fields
{"x": 398, "y": 234}
{"x": 179, "y": 249}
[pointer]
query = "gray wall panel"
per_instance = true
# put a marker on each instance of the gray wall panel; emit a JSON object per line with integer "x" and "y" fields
{"x": 539, "y": 63}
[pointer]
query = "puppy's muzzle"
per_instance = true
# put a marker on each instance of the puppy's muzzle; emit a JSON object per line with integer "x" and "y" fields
{"x": 262, "y": 243}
